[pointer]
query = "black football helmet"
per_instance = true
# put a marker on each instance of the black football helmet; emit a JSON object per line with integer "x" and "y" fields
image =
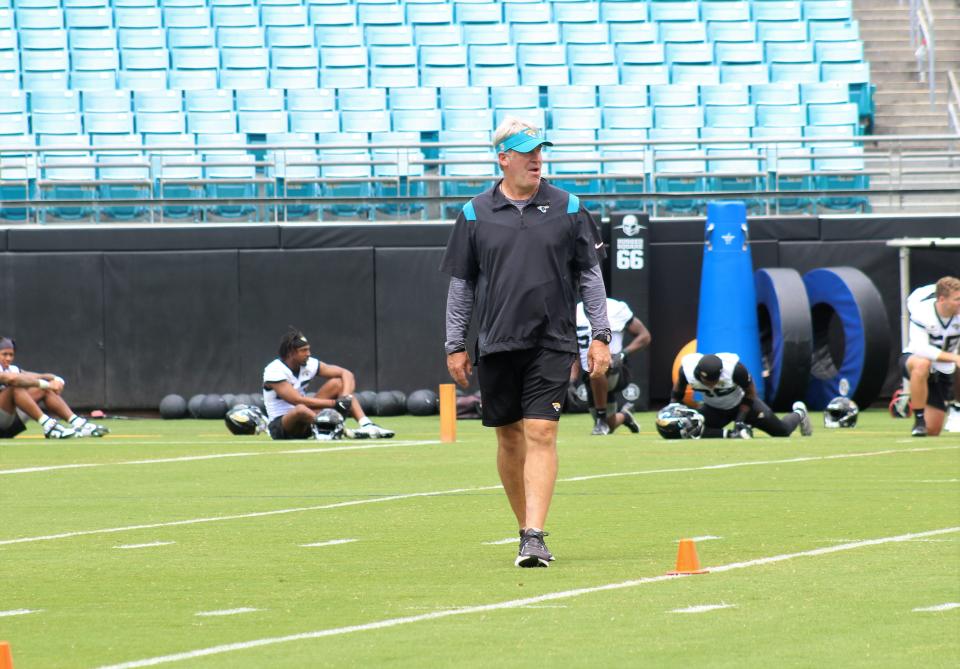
{"x": 244, "y": 419}
{"x": 841, "y": 412}
{"x": 676, "y": 421}
{"x": 328, "y": 425}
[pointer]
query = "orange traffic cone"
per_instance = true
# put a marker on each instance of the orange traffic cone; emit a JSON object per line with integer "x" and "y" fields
{"x": 687, "y": 562}
{"x": 6, "y": 657}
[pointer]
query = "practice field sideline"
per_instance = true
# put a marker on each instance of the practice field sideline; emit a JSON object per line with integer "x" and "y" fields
{"x": 183, "y": 547}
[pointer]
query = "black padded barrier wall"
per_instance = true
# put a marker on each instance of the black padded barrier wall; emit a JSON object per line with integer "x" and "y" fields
{"x": 56, "y": 310}
{"x": 171, "y": 322}
{"x": 326, "y": 293}
{"x": 411, "y": 305}
{"x": 189, "y": 309}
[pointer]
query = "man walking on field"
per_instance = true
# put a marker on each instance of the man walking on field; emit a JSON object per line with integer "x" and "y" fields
{"x": 518, "y": 256}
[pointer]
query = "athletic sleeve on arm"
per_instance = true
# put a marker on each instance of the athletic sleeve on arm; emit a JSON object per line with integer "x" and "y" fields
{"x": 588, "y": 245}
{"x": 459, "y": 310}
{"x": 741, "y": 376}
{"x": 594, "y": 298}
{"x": 460, "y": 260}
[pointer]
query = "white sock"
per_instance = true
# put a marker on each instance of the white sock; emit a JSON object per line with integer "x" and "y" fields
{"x": 77, "y": 420}
{"x": 46, "y": 422}
{"x": 365, "y": 421}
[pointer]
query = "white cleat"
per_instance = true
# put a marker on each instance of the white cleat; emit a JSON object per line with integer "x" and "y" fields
{"x": 806, "y": 426}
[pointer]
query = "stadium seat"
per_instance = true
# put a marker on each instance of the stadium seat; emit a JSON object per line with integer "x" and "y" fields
{"x": 211, "y": 122}
{"x": 55, "y": 102}
{"x": 483, "y": 12}
{"x": 437, "y": 35}
{"x": 683, "y": 31}
{"x": 827, "y": 10}
{"x": 543, "y": 65}
{"x": 464, "y": 97}
{"x": 725, "y": 95}
{"x": 725, "y": 12}
{"x": 731, "y": 31}
{"x": 533, "y": 115}
{"x": 573, "y": 96}
{"x": 585, "y": 33}
{"x": 516, "y": 97}
{"x": 142, "y": 38}
{"x": 375, "y": 36}
{"x": 824, "y": 92}
{"x": 782, "y": 31}
{"x": 334, "y": 35}
{"x": 794, "y": 72}
{"x": 615, "y": 11}
{"x": 417, "y": 120}
{"x": 618, "y": 118}
{"x": 432, "y": 12}
{"x": 844, "y": 167}
{"x": 349, "y": 168}
{"x": 675, "y": 10}
{"x": 535, "y": 33}
{"x": 443, "y": 66}
{"x": 781, "y": 116}
{"x": 467, "y": 119}
{"x": 674, "y": 95}
{"x": 623, "y": 95}
{"x": 777, "y": 10}
{"x": 287, "y": 36}
{"x": 308, "y": 99}
{"x": 633, "y": 33}
{"x": 783, "y": 93}
{"x": 106, "y": 123}
{"x": 191, "y": 38}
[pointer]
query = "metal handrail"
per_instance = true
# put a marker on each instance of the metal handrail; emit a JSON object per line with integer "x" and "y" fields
{"x": 953, "y": 101}
{"x": 923, "y": 41}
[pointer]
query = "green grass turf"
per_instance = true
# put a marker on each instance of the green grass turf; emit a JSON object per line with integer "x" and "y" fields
{"x": 100, "y": 605}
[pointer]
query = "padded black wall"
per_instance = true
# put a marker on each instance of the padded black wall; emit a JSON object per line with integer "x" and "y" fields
{"x": 326, "y": 293}
{"x": 54, "y": 307}
{"x": 411, "y": 305}
{"x": 171, "y": 322}
{"x": 129, "y": 314}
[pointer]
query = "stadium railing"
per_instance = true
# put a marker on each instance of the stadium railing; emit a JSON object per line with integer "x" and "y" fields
{"x": 430, "y": 180}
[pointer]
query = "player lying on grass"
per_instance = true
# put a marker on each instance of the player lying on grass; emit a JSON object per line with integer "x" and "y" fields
{"x": 23, "y": 393}
{"x": 293, "y": 414}
{"x": 729, "y": 395}
{"x": 930, "y": 360}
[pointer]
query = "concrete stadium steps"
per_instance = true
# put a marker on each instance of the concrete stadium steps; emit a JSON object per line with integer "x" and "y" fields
{"x": 902, "y": 98}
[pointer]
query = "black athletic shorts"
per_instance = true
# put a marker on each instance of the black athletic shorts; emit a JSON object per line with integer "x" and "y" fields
{"x": 15, "y": 427}
{"x": 939, "y": 386}
{"x": 617, "y": 380}
{"x": 531, "y": 383}
{"x": 275, "y": 428}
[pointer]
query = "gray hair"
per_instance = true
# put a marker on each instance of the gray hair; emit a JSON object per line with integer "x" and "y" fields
{"x": 511, "y": 125}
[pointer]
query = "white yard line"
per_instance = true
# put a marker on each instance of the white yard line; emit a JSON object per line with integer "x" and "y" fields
{"x": 703, "y": 608}
{"x": 18, "y": 612}
{"x": 939, "y": 607}
{"x": 149, "y": 545}
{"x": 706, "y": 537}
{"x": 501, "y": 542}
{"x": 455, "y": 491}
{"x": 332, "y": 542}
{"x": 509, "y": 604}
{"x": 217, "y": 456}
{"x": 227, "y": 612}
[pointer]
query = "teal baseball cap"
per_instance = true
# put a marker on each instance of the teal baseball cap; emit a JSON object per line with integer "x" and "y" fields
{"x": 524, "y": 141}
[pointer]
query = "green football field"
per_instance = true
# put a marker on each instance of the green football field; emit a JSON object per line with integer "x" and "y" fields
{"x": 174, "y": 543}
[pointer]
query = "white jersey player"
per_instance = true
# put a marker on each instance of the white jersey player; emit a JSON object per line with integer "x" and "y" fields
{"x": 930, "y": 358}
{"x": 600, "y": 389}
{"x": 294, "y": 414}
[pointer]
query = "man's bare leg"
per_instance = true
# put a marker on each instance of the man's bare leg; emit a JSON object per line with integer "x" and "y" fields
{"x": 511, "y": 457}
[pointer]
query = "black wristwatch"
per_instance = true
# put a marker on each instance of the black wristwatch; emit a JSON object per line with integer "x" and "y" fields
{"x": 603, "y": 336}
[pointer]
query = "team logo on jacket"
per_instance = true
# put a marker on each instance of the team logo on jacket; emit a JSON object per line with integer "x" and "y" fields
{"x": 543, "y": 208}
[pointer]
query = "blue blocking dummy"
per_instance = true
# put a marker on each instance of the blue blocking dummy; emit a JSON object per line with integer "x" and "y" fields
{"x": 727, "y": 318}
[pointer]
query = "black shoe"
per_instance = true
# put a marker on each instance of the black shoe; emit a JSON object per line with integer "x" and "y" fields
{"x": 629, "y": 420}
{"x": 919, "y": 430}
{"x": 533, "y": 552}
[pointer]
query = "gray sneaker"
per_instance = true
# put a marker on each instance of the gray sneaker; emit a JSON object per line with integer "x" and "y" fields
{"x": 533, "y": 552}
{"x": 806, "y": 425}
{"x": 600, "y": 428}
